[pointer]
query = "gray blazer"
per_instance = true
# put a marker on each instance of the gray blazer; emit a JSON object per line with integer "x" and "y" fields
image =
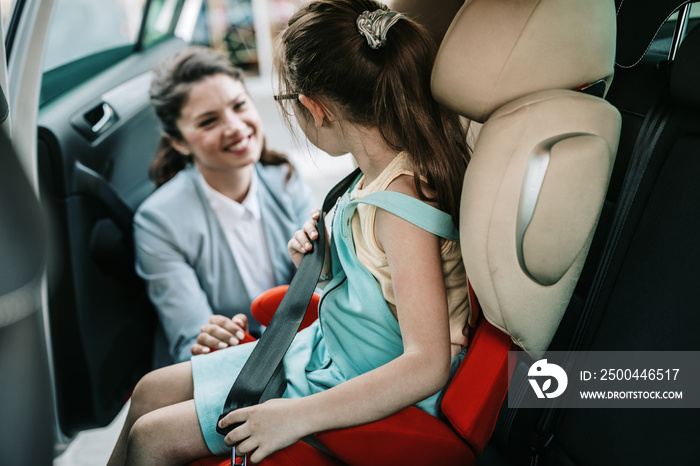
{"x": 183, "y": 255}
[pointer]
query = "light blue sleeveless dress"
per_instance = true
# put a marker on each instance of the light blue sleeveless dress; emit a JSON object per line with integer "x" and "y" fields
{"x": 355, "y": 333}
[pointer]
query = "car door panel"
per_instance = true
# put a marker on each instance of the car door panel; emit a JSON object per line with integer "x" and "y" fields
{"x": 101, "y": 320}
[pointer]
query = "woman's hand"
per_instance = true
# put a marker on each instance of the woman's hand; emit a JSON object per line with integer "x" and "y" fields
{"x": 264, "y": 428}
{"x": 300, "y": 243}
{"x": 219, "y": 333}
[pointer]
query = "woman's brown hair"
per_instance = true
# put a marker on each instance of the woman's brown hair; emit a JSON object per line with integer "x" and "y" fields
{"x": 170, "y": 87}
{"x": 322, "y": 54}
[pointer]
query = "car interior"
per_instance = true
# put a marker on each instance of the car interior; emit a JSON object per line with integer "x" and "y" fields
{"x": 579, "y": 218}
{"x": 634, "y": 292}
{"x": 25, "y": 385}
{"x": 93, "y": 168}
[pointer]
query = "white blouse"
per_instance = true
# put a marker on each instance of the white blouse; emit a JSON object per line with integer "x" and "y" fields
{"x": 242, "y": 224}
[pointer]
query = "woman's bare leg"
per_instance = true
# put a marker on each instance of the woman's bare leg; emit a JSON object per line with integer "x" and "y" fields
{"x": 167, "y": 436}
{"x": 163, "y": 387}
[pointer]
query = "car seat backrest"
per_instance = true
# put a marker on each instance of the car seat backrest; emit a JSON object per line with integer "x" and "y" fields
{"x": 639, "y": 22}
{"x": 685, "y": 75}
{"x": 647, "y": 298}
{"x": 497, "y": 51}
{"x": 435, "y": 15}
{"x": 542, "y": 161}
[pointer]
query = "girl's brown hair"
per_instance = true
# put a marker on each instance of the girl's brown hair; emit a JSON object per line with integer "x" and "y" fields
{"x": 170, "y": 87}
{"x": 321, "y": 53}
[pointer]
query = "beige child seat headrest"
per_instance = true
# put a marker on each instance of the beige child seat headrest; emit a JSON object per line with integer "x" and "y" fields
{"x": 542, "y": 161}
{"x": 435, "y": 15}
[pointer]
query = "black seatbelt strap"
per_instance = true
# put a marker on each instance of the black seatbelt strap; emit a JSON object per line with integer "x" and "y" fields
{"x": 644, "y": 147}
{"x": 262, "y": 376}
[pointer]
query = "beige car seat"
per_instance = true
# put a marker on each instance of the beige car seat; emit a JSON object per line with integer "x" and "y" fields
{"x": 542, "y": 160}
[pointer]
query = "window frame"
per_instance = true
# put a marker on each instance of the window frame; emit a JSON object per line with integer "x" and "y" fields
{"x": 62, "y": 78}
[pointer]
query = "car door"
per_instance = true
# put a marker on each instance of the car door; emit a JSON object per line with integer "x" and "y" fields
{"x": 97, "y": 135}
{"x": 78, "y": 77}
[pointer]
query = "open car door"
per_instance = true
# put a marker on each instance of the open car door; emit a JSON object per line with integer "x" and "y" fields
{"x": 96, "y": 140}
{"x": 85, "y": 134}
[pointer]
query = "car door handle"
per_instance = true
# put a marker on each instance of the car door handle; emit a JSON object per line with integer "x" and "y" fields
{"x": 94, "y": 120}
{"x": 107, "y": 116}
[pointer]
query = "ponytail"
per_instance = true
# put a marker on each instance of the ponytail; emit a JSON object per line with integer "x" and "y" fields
{"x": 386, "y": 87}
{"x": 167, "y": 163}
{"x": 410, "y": 119}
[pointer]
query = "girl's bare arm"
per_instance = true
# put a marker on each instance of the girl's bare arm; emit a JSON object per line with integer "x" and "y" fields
{"x": 421, "y": 371}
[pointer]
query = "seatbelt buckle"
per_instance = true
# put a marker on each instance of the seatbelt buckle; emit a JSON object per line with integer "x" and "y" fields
{"x": 235, "y": 460}
{"x": 238, "y": 460}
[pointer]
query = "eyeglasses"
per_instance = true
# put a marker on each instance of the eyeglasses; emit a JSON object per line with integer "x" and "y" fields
{"x": 287, "y": 107}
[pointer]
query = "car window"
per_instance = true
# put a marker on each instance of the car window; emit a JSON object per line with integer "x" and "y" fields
{"x": 88, "y": 36}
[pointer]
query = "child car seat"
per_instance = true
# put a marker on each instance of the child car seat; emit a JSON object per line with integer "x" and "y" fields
{"x": 541, "y": 164}
{"x": 470, "y": 405}
{"x": 532, "y": 195}
{"x": 642, "y": 296}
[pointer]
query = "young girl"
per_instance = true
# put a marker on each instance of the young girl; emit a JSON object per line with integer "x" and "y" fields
{"x": 212, "y": 237}
{"x": 389, "y": 333}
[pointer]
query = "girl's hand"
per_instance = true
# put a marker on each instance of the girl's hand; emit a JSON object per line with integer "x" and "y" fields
{"x": 220, "y": 332}
{"x": 300, "y": 243}
{"x": 264, "y": 428}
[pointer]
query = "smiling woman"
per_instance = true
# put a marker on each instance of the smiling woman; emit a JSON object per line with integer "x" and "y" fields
{"x": 76, "y": 74}
{"x": 222, "y": 131}
{"x": 213, "y": 236}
